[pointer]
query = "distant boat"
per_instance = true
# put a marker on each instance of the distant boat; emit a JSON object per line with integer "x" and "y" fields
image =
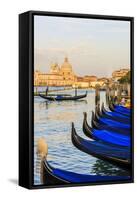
{"x": 63, "y": 98}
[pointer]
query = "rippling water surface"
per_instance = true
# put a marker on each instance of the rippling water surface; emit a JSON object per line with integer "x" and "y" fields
{"x": 53, "y": 121}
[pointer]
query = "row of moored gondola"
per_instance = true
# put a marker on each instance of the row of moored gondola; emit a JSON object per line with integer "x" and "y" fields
{"x": 109, "y": 140}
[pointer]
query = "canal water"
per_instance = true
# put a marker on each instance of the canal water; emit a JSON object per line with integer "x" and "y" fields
{"x": 52, "y": 120}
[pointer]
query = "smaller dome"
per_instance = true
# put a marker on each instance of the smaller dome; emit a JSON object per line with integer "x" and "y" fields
{"x": 66, "y": 66}
{"x": 54, "y": 68}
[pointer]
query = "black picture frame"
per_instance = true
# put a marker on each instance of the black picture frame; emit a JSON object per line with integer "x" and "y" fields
{"x": 26, "y": 102}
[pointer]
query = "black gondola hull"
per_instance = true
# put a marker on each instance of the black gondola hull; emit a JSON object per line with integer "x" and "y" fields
{"x": 50, "y": 98}
{"x": 77, "y": 141}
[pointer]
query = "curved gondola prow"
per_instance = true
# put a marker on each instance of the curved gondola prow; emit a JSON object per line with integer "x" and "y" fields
{"x": 86, "y": 128}
{"x": 96, "y": 115}
{"x": 94, "y": 124}
{"x": 93, "y": 115}
{"x": 73, "y": 133}
{"x": 76, "y": 139}
{"x": 92, "y": 118}
{"x": 103, "y": 110}
{"x": 99, "y": 111}
{"x": 48, "y": 177}
{"x": 111, "y": 107}
{"x": 79, "y": 143}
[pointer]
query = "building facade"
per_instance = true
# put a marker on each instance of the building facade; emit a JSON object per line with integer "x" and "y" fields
{"x": 64, "y": 75}
{"x": 58, "y": 76}
{"x": 116, "y": 75}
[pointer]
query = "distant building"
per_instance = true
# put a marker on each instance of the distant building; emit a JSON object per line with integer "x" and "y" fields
{"x": 90, "y": 78}
{"x": 116, "y": 75}
{"x": 81, "y": 84}
{"x": 64, "y": 75}
{"x": 103, "y": 79}
{"x": 58, "y": 76}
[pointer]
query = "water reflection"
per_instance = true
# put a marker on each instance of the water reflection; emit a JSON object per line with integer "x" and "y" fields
{"x": 47, "y": 104}
{"x": 101, "y": 167}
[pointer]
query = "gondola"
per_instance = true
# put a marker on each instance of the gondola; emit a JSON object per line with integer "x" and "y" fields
{"x": 63, "y": 98}
{"x": 121, "y": 107}
{"x": 105, "y": 136}
{"x": 111, "y": 122}
{"x": 118, "y": 110}
{"x": 112, "y": 116}
{"x": 111, "y": 153}
{"x": 52, "y": 176}
{"x": 116, "y": 114}
{"x": 99, "y": 126}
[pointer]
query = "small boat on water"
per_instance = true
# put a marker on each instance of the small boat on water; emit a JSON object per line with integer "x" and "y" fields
{"x": 63, "y": 98}
{"x": 52, "y": 176}
{"x": 111, "y": 153}
{"x": 105, "y": 136}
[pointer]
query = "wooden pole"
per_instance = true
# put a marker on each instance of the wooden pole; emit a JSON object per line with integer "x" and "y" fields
{"x": 97, "y": 95}
{"x": 47, "y": 91}
{"x": 116, "y": 95}
{"x": 112, "y": 93}
{"x": 75, "y": 91}
{"x": 107, "y": 94}
{"x": 128, "y": 90}
{"x": 36, "y": 90}
{"x": 119, "y": 91}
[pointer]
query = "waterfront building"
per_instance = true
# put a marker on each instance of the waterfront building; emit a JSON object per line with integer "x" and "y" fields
{"x": 90, "y": 78}
{"x": 81, "y": 84}
{"x": 58, "y": 76}
{"x": 63, "y": 75}
{"x": 116, "y": 75}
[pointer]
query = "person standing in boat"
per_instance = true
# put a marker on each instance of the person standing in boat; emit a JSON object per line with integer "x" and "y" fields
{"x": 123, "y": 101}
{"x": 47, "y": 89}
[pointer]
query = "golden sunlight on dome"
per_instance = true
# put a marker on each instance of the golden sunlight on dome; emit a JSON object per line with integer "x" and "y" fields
{"x": 66, "y": 66}
{"x": 54, "y": 68}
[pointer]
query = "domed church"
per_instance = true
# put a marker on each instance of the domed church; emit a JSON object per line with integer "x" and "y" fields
{"x": 66, "y": 66}
{"x": 66, "y": 71}
{"x": 58, "y": 76}
{"x": 54, "y": 68}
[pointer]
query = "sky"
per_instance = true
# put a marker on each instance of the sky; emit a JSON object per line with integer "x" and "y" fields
{"x": 93, "y": 46}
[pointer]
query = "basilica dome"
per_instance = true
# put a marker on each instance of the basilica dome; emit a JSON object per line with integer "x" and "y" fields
{"x": 66, "y": 66}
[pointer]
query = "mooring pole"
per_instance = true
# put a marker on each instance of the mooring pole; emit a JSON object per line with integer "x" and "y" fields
{"x": 47, "y": 91}
{"x": 119, "y": 90}
{"x": 113, "y": 93}
{"x": 107, "y": 94}
{"x": 36, "y": 90}
{"x": 75, "y": 91}
{"x": 116, "y": 95}
{"x": 128, "y": 89}
{"x": 97, "y": 95}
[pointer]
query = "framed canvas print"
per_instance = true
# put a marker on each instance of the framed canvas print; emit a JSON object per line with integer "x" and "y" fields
{"x": 75, "y": 99}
